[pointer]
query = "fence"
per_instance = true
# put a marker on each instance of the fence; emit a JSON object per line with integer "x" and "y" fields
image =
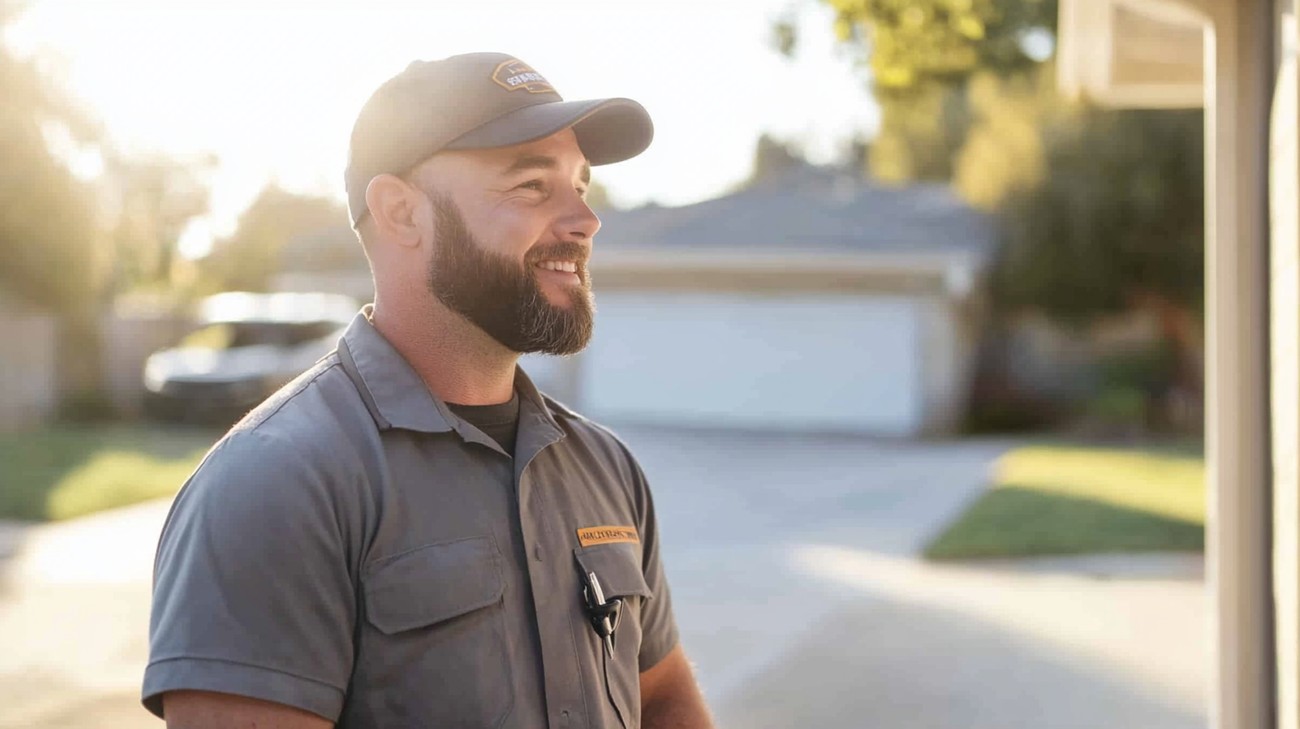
{"x": 127, "y": 340}
{"x": 29, "y": 381}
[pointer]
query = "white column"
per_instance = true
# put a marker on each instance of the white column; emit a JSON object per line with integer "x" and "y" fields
{"x": 1284, "y": 262}
{"x": 1239, "y": 80}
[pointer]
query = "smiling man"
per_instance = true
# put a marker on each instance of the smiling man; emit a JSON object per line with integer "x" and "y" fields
{"x": 410, "y": 534}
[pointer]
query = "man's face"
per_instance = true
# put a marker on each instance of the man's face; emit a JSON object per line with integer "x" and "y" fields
{"x": 512, "y": 258}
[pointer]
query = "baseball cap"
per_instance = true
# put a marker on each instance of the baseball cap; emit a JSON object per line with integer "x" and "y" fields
{"x": 478, "y": 101}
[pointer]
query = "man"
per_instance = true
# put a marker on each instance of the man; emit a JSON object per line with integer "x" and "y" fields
{"x": 409, "y": 534}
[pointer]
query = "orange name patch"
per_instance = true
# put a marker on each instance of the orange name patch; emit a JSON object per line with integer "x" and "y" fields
{"x": 607, "y": 535}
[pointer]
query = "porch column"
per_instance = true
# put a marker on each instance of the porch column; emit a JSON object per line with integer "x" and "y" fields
{"x": 1239, "y": 83}
{"x": 1284, "y": 259}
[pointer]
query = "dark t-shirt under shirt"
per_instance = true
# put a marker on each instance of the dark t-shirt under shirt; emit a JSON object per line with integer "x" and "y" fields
{"x": 499, "y": 422}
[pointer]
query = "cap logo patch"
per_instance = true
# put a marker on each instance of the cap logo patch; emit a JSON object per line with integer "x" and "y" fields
{"x": 514, "y": 75}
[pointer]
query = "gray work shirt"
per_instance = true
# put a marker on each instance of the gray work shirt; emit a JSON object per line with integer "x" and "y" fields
{"x": 354, "y": 549}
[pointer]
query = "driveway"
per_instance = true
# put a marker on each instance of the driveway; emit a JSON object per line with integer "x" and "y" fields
{"x": 796, "y": 589}
{"x": 799, "y": 596}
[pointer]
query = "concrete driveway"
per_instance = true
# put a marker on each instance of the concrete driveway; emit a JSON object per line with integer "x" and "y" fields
{"x": 798, "y": 595}
{"x": 792, "y": 561}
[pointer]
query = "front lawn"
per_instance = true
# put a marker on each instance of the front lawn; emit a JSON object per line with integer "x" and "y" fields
{"x": 1076, "y": 499}
{"x": 62, "y": 471}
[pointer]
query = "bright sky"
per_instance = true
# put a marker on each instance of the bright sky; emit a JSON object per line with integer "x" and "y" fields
{"x": 271, "y": 87}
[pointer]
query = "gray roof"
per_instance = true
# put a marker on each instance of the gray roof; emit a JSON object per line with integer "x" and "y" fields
{"x": 811, "y": 209}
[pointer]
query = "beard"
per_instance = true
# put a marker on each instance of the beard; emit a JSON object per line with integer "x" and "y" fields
{"x": 501, "y": 295}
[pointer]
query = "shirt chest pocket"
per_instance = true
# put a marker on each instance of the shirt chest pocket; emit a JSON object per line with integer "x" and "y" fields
{"x": 618, "y": 567}
{"x": 433, "y": 647}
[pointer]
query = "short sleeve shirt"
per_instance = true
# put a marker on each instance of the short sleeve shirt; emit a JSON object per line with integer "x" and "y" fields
{"x": 354, "y": 549}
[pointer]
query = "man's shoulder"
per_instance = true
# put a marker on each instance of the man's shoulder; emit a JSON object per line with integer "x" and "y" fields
{"x": 598, "y": 435}
{"x": 312, "y": 404}
{"x": 317, "y": 418}
{"x": 577, "y": 420}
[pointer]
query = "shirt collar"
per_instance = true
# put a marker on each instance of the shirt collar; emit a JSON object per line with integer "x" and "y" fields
{"x": 398, "y": 397}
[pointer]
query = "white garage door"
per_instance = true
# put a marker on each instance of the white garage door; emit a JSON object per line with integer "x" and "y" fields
{"x": 787, "y": 362}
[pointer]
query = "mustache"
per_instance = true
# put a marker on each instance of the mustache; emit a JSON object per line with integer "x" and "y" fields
{"x": 562, "y": 251}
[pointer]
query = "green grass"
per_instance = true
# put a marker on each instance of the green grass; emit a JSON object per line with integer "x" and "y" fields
{"x": 63, "y": 472}
{"x": 1074, "y": 500}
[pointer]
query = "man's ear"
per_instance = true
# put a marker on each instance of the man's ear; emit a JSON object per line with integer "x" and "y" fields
{"x": 394, "y": 205}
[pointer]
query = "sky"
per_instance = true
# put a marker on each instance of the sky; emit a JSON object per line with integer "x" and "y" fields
{"x": 271, "y": 87}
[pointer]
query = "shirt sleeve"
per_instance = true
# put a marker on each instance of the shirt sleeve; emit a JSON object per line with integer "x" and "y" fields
{"x": 658, "y": 625}
{"x": 253, "y": 594}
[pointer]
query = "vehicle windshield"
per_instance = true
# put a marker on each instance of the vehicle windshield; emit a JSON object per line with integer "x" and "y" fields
{"x": 228, "y": 335}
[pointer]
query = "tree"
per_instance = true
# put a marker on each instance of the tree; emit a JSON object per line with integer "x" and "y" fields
{"x": 1003, "y": 148}
{"x": 152, "y": 200}
{"x": 67, "y": 244}
{"x": 248, "y": 258}
{"x": 48, "y": 251}
{"x": 910, "y": 44}
{"x": 921, "y": 55}
{"x": 1116, "y": 226}
{"x": 773, "y": 159}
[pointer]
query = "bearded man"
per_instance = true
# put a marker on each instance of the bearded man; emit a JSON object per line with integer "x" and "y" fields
{"x": 410, "y": 534}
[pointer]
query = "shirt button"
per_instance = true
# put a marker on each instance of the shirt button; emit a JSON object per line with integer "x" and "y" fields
{"x": 537, "y": 552}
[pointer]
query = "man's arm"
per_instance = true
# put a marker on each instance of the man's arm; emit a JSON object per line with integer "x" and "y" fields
{"x": 670, "y": 698}
{"x": 208, "y": 710}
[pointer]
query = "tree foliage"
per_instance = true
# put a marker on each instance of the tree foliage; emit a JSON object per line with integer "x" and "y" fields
{"x": 910, "y": 45}
{"x": 248, "y": 258}
{"x": 48, "y": 229}
{"x": 921, "y": 54}
{"x": 1118, "y": 224}
{"x": 153, "y": 199}
{"x": 68, "y": 244}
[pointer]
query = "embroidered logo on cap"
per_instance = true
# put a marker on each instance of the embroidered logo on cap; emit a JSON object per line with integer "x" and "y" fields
{"x": 514, "y": 75}
{"x": 607, "y": 535}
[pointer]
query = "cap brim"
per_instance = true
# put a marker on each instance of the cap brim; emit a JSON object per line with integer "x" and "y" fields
{"x": 608, "y": 130}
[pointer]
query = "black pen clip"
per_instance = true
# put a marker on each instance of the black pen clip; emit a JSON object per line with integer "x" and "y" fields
{"x": 604, "y": 614}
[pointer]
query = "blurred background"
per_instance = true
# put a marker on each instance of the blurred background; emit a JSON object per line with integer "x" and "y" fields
{"x": 907, "y": 333}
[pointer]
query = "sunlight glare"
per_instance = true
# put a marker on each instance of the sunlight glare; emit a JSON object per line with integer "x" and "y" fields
{"x": 272, "y": 88}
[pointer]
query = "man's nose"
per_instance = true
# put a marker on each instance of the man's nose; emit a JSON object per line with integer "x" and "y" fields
{"x": 579, "y": 222}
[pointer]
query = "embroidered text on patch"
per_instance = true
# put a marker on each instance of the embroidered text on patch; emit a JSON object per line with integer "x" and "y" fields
{"x": 607, "y": 535}
{"x": 514, "y": 75}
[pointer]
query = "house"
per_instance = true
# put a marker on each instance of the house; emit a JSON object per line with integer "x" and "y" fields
{"x": 815, "y": 301}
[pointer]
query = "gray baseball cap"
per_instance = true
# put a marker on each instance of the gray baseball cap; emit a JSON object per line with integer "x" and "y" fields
{"x": 478, "y": 101}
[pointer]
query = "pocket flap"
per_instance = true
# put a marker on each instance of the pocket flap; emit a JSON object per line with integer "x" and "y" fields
{"x": 617, "y": 565}
{"x": 431, "y": 584}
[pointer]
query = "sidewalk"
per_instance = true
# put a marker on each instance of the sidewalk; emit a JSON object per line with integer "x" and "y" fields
{"x": 74, "y": 616}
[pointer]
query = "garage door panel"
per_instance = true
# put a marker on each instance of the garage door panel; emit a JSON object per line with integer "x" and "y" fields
{"x": 837, "y": 362}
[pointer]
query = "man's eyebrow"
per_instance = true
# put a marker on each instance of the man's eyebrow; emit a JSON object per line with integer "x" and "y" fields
{"x": 543, "y": 162}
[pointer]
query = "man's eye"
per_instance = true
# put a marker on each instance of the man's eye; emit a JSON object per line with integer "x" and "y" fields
{"x": 533, "y": 185}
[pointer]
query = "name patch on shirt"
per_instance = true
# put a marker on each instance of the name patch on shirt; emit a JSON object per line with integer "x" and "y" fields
{"x": 607, "y": 535}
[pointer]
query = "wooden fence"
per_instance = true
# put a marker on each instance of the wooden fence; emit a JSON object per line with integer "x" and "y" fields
{"x": 29, "y": 372}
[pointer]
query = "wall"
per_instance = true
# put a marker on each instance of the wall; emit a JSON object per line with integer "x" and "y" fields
{"x": 948, "y": 339}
